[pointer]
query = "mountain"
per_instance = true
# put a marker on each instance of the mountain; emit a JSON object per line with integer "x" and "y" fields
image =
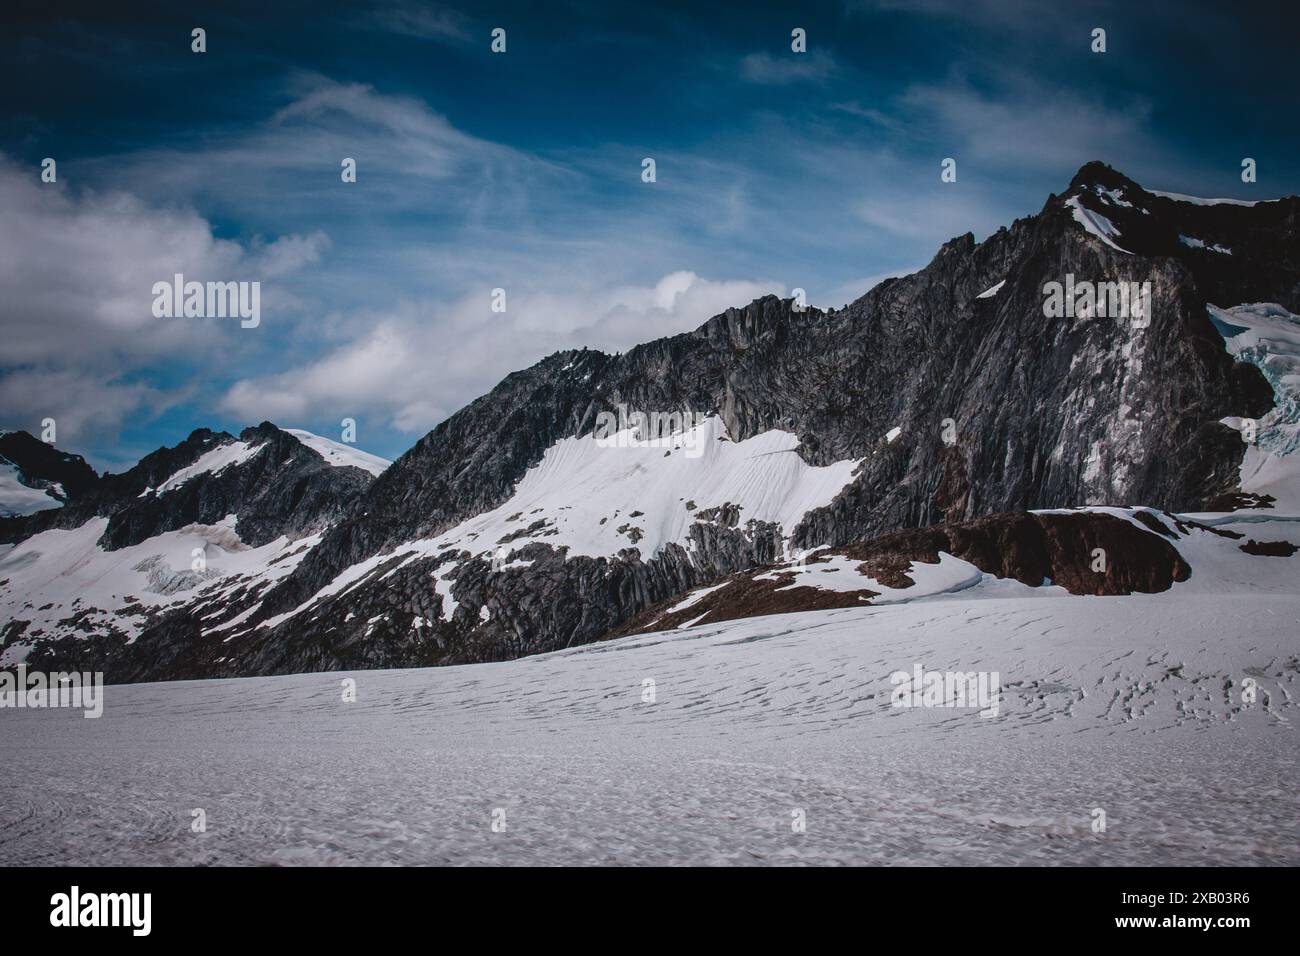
{"x": 1095, "y": 551}
{"x": 526, "y": 522}
{"x": 275, "y": 482}
{"x": 35, "y": 476}
{"x": 214, "y": 515}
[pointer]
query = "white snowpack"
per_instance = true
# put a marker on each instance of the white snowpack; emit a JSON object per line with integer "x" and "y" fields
{"x": 1114, "y": 197}
{"x": 1198, "y": 201}
{"x": 211, "y": 462}
{"x": 1218, "y": 566}
{"x": 991, "y": 291}
{"x": 340, "y": 454}
{"x": 16, "y": 498}
{"x": 694, "y": 597}
{"x": 70, "y": 572}
{"x": 1096, "y": 224}
{"x": 584, "y": 493}
{"x": 1270, "y": 340}
{"x": 1194, "y": 243}
{"x": 1129, "y": 704}
{"x": 950, "y": 575}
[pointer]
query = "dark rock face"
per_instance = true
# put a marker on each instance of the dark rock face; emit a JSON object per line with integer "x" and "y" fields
{"x": 1033, "y": 549}
{"x": 112, "y": 492}
{"x": 1271, "y": 549}
{"x": 1000, "y": 408}
{"x": 43, "y": 466}
{"x": 285, "y": 488}
{"x": 1036, "y": 548}
{"x": 1044, "y": 412}
{"x": 554, "y": 602}
{"x": 1263, "y": 254}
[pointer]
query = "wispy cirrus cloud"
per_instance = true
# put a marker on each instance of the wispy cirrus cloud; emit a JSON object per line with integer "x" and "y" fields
{"x": 1023, "y": 124}
{"x": 995, "y": 12}
{"x": 405, "y": 152}
{"x": 816, "y": 66}
{"x": 423, "y": 237}
{"x": 385, "y": 371}
{"x": 475, "y": 170}
{"x": 878, "y": 117}
{"x": 420, "y": 20}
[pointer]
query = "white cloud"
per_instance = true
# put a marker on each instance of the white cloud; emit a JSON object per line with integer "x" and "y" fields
{"x": 394, "y": 324}
{"x": 878, "y": 117}
{"x": 289, "y": 163}
{"x": 417, "y": 363}
{"x": 82, "y": 401}
{"x": 421, "y": 20}
{"x": 288, "y": 254}
{"x": 77, "y": 270}
{"x": 389, "y": 315}
{"x": 793, "y": 68}
{"x": 1025, "y": 126}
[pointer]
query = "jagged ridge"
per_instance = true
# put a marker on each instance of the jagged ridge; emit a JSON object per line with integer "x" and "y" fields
{"x": 1042, "y": 413}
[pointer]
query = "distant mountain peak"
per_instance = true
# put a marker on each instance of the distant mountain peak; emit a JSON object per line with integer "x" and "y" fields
{"x": 36, "y": 476}
{"x": 339, "y": 454}
{"x": 1097, "y": 173}
{"x": 515, "y": 526}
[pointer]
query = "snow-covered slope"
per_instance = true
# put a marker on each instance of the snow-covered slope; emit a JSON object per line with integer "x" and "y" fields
{"x": 1268, "y": 336}
{"x": 1198, "y": 201}
{"x": 201, "y": 529}
{"x": 938, "y": 399}
{"x": 597, "y": 500}
{"x": 341, "y": 455}
{"x": 1095, "y": 224}
{"x": 598, "y": 496}
{"x": 18, "y": 499}
{"x": 58, "y": 577}
{"x": 1247, "y": 550}
{"x": 36, "y": 476}
{"x": 1141, "y": 551}
{"x": 225, "y": 456}
{"x": 707, "y": 745}
{"x": 213, "y": 462}
{"x": 1149, "y": 222}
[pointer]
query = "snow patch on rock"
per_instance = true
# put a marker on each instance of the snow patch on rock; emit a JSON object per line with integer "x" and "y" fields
{"x": 1268, "y": 336}
{"x": 1096, "y": 224}
{"x": 17, "y": 498}
{"x": 1193, "y": 243}
{"x": 339, "y": 454}
{"x": 211, "y": 462}
{"x": 1198, "y": 201}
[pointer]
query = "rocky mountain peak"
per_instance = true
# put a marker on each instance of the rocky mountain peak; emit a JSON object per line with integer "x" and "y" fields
{"x": 272, "y": 481}
{"x": 42, "y": 466}
{"x": 1095, "y": 174}
{"x": 944, "y": 396}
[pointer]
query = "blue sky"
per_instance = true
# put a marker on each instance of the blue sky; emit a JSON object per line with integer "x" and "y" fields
{"x": 521, "y": 171}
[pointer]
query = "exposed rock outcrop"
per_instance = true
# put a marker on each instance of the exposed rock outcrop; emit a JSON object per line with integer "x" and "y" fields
{"x": 958, "y": 396}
